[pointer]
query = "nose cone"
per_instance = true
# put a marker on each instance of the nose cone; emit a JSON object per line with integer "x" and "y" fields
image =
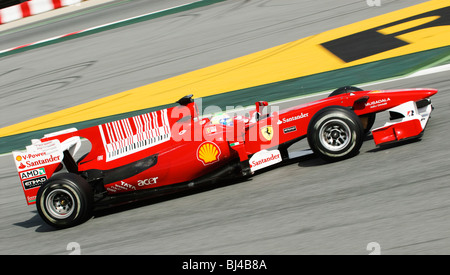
{"x": 417, "y": 94}
{"x": 431, "y": 92}
{"x": 427, "y": 92}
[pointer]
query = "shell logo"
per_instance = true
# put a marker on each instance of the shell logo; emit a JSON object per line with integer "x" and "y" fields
{"x": 208, "y": 153}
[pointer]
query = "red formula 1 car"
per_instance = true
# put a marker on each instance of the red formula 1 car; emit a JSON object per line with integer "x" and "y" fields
{"x": 175, "y": 148}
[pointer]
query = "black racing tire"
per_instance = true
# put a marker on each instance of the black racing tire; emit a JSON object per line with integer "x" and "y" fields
{"x": 368, "y": 119}
{"x": 344, "y": 90}
{"x": 65, "y": 200}
{"x": 335, "y": 133}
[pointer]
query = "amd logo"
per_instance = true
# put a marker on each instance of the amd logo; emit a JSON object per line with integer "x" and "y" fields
{"x": 32, "y": 173}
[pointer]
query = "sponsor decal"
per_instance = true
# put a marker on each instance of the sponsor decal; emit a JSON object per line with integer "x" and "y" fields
{"x": 264, "y": 158}
{"x": 290, "y": 129}
{"x": 146, "y": 182}
{"x": 294, "y": 118}
{"x": 33, "y": 183}
{"x": 208, "y": 153}
{"x": 31, "y": 199}
{"x": 30, "y": 156}
{"x": 38, "y": 155}
{"x": 40, "y": 162}
{"x": 267, "y": 132}
{"x": 128, "y": 136}
{"x": 378, "y": 103}
{"x": 211, "y": 130}
{"x": 32, "y": 173}
{"x": 31, "y": 161}
{"x": 121, "y": 187}
{"x": 31, "y": 165}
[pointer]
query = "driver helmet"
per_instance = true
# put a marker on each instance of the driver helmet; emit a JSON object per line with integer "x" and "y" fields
{"x": 222, "y": 118}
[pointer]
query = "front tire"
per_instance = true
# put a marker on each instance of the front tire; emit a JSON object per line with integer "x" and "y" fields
{"x": 369, "y": 119}
{"x": 65, "y": 200}
{"x": 344, "y": 90}
{"x": 335, "y": 133}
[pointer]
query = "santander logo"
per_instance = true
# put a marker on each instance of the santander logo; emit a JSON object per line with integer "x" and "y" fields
{"x": 36, "y": 160}
{"x": 264, "y": 159}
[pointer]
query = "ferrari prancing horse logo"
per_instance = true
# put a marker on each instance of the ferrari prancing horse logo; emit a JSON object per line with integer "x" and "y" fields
{"x": 267, "y": 132}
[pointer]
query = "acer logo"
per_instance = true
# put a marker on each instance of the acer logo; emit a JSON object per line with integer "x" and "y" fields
{"x": 149, "y": 181}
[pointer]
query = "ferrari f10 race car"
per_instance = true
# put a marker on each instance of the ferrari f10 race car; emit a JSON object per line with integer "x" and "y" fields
{"x": 174, "y": 148}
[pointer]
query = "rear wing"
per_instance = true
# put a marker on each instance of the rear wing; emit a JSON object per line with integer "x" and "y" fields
{"x": 40, "y": 160}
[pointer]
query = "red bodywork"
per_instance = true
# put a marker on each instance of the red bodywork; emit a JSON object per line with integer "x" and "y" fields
{"x": 175, "y": 146}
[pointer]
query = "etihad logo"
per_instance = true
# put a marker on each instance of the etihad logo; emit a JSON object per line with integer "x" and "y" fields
{"x": 33, "y": 183}
{"x": 208, "y": 153}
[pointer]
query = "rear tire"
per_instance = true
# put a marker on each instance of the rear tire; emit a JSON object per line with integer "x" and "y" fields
{"x": 335, "y": 133}
{"x": 65, "y": 200}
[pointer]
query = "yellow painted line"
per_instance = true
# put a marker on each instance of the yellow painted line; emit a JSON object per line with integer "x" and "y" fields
{"x": 296, "y": 59}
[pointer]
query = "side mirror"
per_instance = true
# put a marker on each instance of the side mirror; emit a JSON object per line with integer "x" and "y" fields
{"x": 185, "y": 100}
{"x": 260, "y": 105}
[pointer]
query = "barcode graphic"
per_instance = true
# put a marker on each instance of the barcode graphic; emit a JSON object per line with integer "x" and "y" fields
{"x": 125, "y": 137}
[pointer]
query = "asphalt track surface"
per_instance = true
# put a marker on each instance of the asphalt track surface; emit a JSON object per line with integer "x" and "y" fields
{"x": 397, "y": 196}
